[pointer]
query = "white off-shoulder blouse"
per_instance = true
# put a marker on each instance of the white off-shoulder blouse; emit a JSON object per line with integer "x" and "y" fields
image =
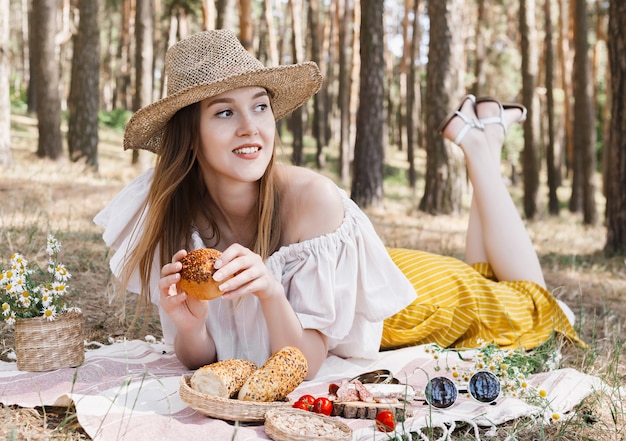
{"x": 343, "y": 284}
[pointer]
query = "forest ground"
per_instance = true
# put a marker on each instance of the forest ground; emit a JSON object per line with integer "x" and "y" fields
{"x": 40, "y": 196}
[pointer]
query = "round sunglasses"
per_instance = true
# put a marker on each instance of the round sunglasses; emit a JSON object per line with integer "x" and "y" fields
{"x": 483, "y": 386}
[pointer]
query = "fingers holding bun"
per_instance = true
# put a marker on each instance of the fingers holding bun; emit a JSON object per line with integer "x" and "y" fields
{"x": 197, "y": 274}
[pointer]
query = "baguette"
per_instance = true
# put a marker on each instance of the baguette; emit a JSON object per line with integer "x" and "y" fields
{"x": 223, "y": 378}
{"x": 277, "y": 378}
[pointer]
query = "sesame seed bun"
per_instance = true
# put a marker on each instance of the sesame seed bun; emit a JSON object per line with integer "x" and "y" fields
{"x": 197, "y": 274}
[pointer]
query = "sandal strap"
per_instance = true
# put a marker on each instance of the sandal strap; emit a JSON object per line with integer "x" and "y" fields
{"x": 470, "y": 123}
{"x": 495, "y": 120}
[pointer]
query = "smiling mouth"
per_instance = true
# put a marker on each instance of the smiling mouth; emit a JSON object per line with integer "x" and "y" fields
{"x": 246, "y": 150}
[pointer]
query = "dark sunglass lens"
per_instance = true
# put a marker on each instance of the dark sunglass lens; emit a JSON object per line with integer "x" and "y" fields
{"x": 484, "y": 386}
{"x": 441, "y": 392}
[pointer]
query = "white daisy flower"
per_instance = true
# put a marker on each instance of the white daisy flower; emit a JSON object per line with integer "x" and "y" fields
{"x": 49, "y": 312}
{"x": 53, "y": 246}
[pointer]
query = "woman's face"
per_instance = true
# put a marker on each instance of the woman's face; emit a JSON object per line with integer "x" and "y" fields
{"x": 237, "y": 132}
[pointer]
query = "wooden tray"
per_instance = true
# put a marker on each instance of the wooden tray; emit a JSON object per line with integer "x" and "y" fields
{"x": 363, "y": 410}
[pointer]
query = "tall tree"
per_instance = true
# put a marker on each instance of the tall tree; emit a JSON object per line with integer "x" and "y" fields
{"x": 565, "y": 61}
{"x": 225, "y": 14}
{"x": 144, "y": 58}
{"x": 413, "y": 95}
{"x": 367, "y": 181}
{"x": 344, "y": 14}
{"x": 297, "y": 54}
{"x": 315, "y": 16}
{"x": 584, "y": 128}
{"x": 246, "y": 28}
{"x": 530, "y": 154}
{"x": 552, "y": 162}
{"x": 268, "y": 32}
{"x": 46, "y": 79}
{"x": 444, "y": 87}
{"x": 616, "y": 145}
{"x": 5, "y": 99}
{"x": 481, "y": 49}
{"x": 208, "y": 15}
{"x": 84, "y": 102}
{"x": 122, "y": 97}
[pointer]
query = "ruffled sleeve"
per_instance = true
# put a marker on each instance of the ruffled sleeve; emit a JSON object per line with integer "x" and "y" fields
{"x": 122, "y": 220}
{"x": 344, "y": 284}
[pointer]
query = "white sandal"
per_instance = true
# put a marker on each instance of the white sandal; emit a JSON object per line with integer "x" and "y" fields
{"x": 470, "y": 123}
{"x": 499, "y": 119}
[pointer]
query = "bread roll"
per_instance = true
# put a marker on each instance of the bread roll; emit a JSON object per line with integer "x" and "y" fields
{"x": 277, "y": 378}
{"x": 223, "y": 378}
{"x": 197, "y": 274}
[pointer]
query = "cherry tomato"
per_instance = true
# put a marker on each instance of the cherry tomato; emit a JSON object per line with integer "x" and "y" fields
{"x": 323, "y": 405}
{"x": 308, "y": 399}
{"x": 301, "y": 405}
{"x": 385, "y": 421}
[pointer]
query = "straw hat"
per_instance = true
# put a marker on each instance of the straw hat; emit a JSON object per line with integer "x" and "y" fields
{"x": 207, "y": 64}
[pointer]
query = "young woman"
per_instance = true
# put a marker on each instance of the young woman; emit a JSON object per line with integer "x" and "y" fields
{"x": 307, "y": 267}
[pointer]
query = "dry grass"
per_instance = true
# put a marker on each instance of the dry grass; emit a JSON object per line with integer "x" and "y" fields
{"x": 38, "y": 196}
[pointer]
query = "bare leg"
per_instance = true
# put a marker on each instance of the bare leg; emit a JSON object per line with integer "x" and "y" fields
{"x": 496, "y": 233}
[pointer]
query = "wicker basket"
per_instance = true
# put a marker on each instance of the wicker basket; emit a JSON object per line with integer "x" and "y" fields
{"x": 301, "y": 425}
{"x": 42, "y": 345}
{"x": 226, "y": 408}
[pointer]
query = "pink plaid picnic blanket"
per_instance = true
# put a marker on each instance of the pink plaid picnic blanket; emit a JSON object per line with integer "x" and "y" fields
{"x": 130, "y": 391}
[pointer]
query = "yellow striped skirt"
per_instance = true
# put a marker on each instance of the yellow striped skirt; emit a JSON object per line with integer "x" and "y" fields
{"x": 462, "y": 305}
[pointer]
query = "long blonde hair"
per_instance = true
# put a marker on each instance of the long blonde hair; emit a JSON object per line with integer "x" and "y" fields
{"x": 175, "y": 201}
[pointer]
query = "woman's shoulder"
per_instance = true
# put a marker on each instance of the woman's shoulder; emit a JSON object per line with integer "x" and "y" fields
{"x": 312, "y": 204}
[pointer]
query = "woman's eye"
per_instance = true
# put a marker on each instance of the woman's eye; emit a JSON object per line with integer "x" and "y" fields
{"x": 262, "y": 107}
{"x": 224, "y": 113}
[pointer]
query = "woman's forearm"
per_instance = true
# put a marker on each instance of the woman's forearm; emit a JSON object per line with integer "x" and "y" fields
{"x": 195, "y": 349}
{"x": 286, "y": 330}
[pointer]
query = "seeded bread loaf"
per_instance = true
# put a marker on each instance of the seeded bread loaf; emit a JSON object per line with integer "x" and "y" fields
{"x": 278, "y": 377}
{"x": 223, "y": 378}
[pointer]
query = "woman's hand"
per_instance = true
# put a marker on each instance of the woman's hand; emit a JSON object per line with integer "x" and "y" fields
{"x": 250, "y": 275}
{"x": 187, "y": 313}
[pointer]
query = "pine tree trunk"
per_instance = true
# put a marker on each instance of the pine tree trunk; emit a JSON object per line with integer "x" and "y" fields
{"x": 144, "y": 59}
{"x": 84, "y": 100}
{"x": 319, "y": 115}
{"x": 552, "y": 164}
{"x": 530, "y": 154}
{"x": 444, "y": 87}
{"x": 412, "y": 98}
{"x": 46, "y": 78}
{"x": 367, "y": 181}
{"x": 5, "y": 100}
{"x": 296, "y": 124}
{"x": 345, "y": 69}
{"x": 246, "y": 28}
{"x": 616, "y": 146}
{"x": 584, "y": 129}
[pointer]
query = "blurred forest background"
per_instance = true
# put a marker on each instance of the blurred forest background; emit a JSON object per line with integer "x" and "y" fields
{"x": 393, "y": 70}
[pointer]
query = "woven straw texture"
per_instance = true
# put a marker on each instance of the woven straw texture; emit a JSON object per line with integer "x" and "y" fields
{"x": 42, "y": 345}
{"x": 225, "y": 408}
{"x": 300, "y": 425}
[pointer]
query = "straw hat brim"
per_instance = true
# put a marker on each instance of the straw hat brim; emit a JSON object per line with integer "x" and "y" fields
{"x": 290, "y": 86}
